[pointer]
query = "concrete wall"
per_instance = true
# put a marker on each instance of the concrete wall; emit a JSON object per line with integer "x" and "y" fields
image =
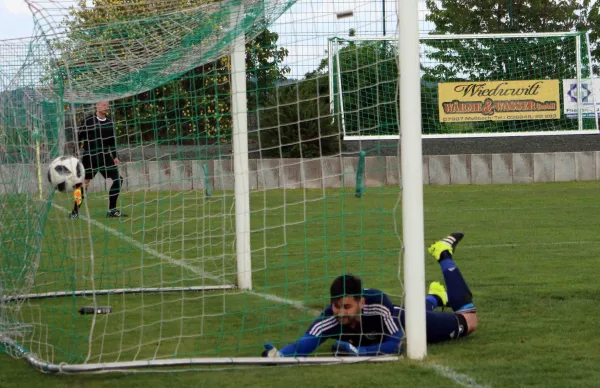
{"x": 431, "y": 146}
{"x": 336, "y": 172}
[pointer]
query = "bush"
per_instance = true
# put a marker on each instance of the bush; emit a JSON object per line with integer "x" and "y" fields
{"x": 295, "y": 121}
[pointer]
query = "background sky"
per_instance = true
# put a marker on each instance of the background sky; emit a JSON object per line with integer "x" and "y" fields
{"x": 16, "y": 20}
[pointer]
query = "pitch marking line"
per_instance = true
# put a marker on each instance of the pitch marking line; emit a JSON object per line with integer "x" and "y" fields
{"x": 444, "y": 371}
{"x": 458, "y": 378}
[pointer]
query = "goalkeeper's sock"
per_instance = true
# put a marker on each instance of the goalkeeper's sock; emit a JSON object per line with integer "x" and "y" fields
{"x": 460, "y": 297}
{"x": 431, "y": 302}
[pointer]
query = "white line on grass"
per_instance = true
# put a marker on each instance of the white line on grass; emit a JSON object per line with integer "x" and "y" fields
{"x": 444, "y": 371}
{"x": 458, "y": 378}
{"x": 141, "y": 246}
{"x": 536, "y": 244}
{"x": 296, "y": 304}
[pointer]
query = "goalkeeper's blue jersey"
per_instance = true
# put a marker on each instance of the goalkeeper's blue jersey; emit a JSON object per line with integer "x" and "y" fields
{"x": 379, "y": 320}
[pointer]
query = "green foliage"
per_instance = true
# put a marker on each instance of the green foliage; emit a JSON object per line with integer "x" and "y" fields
{"x": 135, "y": 40}
{"x": 492, "y": 16}
{"x": 296, "y": 121}
{"x": 196, "y": 107}
{"x": 369, "y": 75}
{"x": 265, "y": 68}
{"x": 589, "y": 20}
{"x": 111, "y": 38}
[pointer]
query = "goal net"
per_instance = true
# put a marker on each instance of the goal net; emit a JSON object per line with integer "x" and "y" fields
{"x": 242, "y": 202}
{"x": 471, "y": 85}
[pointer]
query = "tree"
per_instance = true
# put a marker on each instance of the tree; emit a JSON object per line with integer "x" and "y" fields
{"x": 369, "y": 83}
{"x": 265, "y": 68}
{"x": 296, "y": 121}
{"x": 589, "y": 20}
{"x": 493, "y": 60}
{"x": 136, "y": 42}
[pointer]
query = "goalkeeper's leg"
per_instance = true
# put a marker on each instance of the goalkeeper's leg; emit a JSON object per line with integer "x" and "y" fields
{"x": 447, "y": 326}
{"x": 460, "y": 297}
{"x": 113, "y": 194}
{"x": 440, "y": 327}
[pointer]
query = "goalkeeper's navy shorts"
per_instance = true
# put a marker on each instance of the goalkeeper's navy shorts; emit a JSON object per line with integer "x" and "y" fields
{"x": 102, "y": 163}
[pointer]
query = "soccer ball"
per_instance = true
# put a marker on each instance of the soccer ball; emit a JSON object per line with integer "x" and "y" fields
{"x": 65, "y": 172}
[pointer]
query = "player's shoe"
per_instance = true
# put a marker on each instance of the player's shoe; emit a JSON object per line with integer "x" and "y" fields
{"x": 438, "y": 289}
{"x": 448, "y": 243}
{"x": 73, "y": 215}
{"x": 115, "y": 214}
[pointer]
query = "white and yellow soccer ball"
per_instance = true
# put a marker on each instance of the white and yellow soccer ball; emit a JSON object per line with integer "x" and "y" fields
{"x": 65, "y": 172}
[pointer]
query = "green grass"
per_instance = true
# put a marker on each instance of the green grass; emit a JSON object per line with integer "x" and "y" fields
{"x": 529, "y": 256}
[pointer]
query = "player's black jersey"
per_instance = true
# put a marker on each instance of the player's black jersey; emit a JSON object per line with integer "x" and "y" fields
{"x": 97, "y": 136}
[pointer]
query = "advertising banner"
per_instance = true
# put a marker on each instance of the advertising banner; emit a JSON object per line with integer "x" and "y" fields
{"x": 499, "y": 100}
{"x": 590, "y": 94}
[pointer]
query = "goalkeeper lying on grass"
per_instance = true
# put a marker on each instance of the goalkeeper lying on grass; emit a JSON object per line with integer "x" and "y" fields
{"x": 364, "y": 322}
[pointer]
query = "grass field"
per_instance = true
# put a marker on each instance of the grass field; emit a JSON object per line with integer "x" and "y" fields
{"x": 529, "y": 256}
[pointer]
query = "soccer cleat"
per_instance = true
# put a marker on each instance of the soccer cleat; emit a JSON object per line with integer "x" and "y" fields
{"x": 438, "y": 289}
{"x": 448, "y": 243}
{"x": 115, "y": 214}
{"x": 73, "y": 215}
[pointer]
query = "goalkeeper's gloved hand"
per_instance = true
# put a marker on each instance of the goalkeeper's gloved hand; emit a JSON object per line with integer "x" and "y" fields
{"x": 341, "y": 348}
{"x": 270, "y": 351}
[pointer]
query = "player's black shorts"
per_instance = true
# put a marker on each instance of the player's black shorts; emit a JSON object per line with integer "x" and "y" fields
{"x": 101, "y": 163}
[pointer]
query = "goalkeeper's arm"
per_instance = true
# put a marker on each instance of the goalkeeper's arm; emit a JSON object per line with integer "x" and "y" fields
{"x": 308, "y": 344}
{"x": 303, "y": 347}
{"x": 390, "y": 345}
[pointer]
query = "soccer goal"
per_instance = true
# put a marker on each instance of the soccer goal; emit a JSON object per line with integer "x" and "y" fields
{"x": 482, "y": 85}
{"x": 242, "y": 203}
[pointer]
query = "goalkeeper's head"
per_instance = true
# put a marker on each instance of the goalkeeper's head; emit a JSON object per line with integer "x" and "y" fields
{"x": 346, "y": 299}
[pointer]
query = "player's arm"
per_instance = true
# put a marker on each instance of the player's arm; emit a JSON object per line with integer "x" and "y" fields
{"x": 390, "y": 345}
{"x": 301, "y": 348}
{"x": 321, "y": 328}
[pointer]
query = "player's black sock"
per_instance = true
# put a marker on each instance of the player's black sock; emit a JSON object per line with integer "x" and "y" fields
{"x": 459, "y": 295}
{"x": 113, "y": 194}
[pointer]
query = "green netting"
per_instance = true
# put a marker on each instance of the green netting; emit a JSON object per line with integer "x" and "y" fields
{"x": 114, "y": 50}
{"x": 169, "y": 270}
{"x": 366, "y": 86}
{"x": 319, "y": 207}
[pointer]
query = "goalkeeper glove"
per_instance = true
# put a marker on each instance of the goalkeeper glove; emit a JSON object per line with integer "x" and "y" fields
{"x": 341, "y": 348}
{"x": 270, "y": 351}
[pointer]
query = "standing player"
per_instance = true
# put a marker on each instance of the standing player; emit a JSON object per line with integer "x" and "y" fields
{"x": 364, "y": 322}
{"x": 99, "y": 147}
